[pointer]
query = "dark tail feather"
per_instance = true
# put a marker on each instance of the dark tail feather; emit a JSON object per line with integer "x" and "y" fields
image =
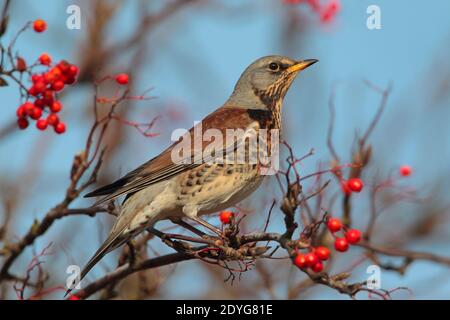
{"x": 108, "y": 189}
{"x": 110, "y": 244}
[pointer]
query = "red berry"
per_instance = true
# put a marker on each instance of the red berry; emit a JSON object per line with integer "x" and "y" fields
{"x": 56, "y": 106}
{"x": 52, "y": 119}
{"x": 48, "y": 96}
{"x": 39, "y": 87}
{"x": 48, "y": 102}
{"x": 71, "y": 80}
{"x": 36, "y": 113}
{"x": 20, "y": 112}
{"x": 405, "y": 170}
{"x": 58, "y": 85}
{"x": 36, "y": 77}
{"x": 73, "y": 297}
{"x": 22, "y": 123}
{"x": 226, "y": 216}
{"x": 311, "y": 259}
{"x": 329, "y": 11}
{"x": 64, "y": 66}
{"x": 68, "y": 79}
{"x": 300, "y": 261}
{"x": 341, "y": 244}
{"x": 28, "y": 107}
{"x": 355, "y": 184}
{"x": 122, "y": 78}
{"x": 60, "y": 127}
{"x": 45, "y": 59}
{"x": 353, "y": 236}
{"x": 39, "y": 25}
{"x": 73, "y": 70}
{"x": 56, "y": 71}
{"x": 41, "y": 124}
{"x": 334, "y": 224}
{"x": 40, "y": 103}
{"x": 345, "y": 189}
{"x": 49, "y": 77}
{"x": 334, "y": 5}
{"x": 64, "y": 78}
{"x": 318, "y": 266}
{"x": 32, "y": 91}
{"x": 322, "y": 253}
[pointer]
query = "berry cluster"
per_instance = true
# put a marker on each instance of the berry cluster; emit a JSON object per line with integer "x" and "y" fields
{"x": 41, "y": 102}
{"x": 43, "y": 93}
{"x": 313, "y": 259}
{"x": 316, "y": 255}
{"x": 351, "y": 236}
{"x": 326, "y": 11}
{"x": 226, "y": 217}
{"x": 352, "y": 185}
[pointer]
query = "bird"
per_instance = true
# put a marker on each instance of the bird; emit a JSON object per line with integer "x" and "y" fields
{"x": 162, "y": 189}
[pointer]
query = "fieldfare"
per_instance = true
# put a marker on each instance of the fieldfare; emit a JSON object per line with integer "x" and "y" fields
{"x": 166, "y": 189}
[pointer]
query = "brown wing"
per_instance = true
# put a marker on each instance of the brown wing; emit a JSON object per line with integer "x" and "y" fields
{"x": 162, "y": 167}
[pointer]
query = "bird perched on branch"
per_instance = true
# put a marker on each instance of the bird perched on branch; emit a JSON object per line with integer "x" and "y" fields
{"x": 166, "y": 189}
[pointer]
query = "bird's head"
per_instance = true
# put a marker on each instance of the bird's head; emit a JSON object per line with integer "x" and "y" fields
{"x": 266, "y": 81}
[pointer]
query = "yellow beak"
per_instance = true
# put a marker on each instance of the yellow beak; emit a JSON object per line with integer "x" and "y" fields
{"x": 301, "y": 65}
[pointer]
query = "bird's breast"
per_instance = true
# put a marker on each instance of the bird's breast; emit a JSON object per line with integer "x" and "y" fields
{"x": 213, "y": 187}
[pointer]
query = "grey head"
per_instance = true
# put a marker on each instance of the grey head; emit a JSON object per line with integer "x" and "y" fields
{"x": 265, "y": 82}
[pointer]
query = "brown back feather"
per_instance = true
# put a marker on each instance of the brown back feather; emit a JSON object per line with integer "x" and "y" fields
{"x": 162, "y": 167}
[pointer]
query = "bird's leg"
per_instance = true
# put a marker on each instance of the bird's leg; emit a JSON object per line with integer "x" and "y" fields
{"x": 177, "y": 245}
{"x": 132, "y": 255}
{"x": 191, "y": 212}
{"x": 157, "y": 233}
{"x": 181, "y": 223}
{"x": 207, "y": 225}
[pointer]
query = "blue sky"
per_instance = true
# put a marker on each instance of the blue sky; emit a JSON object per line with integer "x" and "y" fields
{"x": 197, "y": 65}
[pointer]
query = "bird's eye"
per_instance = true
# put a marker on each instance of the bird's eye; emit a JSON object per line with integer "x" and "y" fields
{"x": 274, "y": 66}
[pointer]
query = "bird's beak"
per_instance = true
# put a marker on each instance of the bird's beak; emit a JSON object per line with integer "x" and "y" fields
{"x": 301, "y": 65}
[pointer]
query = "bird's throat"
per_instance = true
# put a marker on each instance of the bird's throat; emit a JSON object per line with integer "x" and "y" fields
{"x": 272, "y": 99}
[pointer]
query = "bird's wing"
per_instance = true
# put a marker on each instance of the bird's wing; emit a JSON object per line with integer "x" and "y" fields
{"x": 163, "y": 167}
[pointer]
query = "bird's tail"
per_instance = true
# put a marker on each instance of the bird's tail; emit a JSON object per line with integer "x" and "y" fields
{"x": 112, "y": 242}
